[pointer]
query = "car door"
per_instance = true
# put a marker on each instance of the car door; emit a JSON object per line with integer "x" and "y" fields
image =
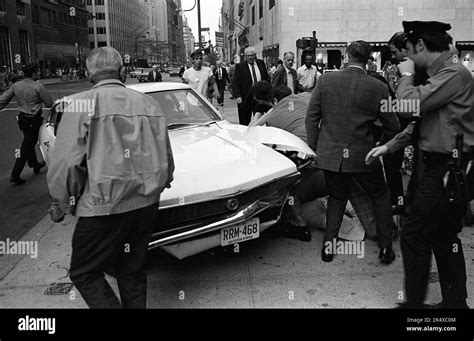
{"x": 47, "y": 133}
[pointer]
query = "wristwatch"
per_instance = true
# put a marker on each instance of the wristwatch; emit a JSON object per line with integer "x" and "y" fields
{"x": 407, "y": 74}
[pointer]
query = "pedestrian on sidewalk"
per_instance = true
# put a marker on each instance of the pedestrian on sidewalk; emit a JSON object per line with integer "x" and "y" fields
{"x": 341, "y": 147}
{"x": 198, "y": 76}
{"x": 286, "y": 75}
{"x": 110, "y": 184}
{"x": 30, "y": 96}
{"x": 222, "y": 78}
{"x": 247, "y": 74}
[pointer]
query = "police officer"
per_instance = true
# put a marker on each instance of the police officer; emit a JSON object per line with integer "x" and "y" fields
{"x": 30, "y": 96}
{"x": 429, "y": 225}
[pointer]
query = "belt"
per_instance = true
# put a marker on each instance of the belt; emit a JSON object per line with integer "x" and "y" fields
{"x": 38, "y": 114}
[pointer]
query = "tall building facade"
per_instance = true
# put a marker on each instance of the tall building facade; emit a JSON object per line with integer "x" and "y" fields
{"x": 188, "y": 38}
{"x": 60, "y": 34}
{"x": 273, "y": 27}
{"x": 176, "y": 48}
{"x": 122, "y": 24}
{"x": 16, "y": 35}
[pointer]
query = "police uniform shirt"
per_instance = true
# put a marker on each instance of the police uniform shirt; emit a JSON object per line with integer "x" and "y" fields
{"x": 445, "y": 101}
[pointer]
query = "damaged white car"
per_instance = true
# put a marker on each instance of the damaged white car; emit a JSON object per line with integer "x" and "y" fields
{"x": 230, "y": 182}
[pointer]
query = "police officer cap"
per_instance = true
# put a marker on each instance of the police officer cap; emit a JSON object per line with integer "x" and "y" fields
{"x": 196, "y": 53}
{"x": 30, "y": 68}
{"x": 419, "y": 27}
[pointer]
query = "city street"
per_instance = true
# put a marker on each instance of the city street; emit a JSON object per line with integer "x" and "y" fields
{"x": 24, "y": 206}
{"x": 269, "y": 272}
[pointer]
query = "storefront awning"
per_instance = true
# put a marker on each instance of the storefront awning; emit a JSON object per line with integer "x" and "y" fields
{"x": 328, "y": 45}
{"x": 465, "y": 45}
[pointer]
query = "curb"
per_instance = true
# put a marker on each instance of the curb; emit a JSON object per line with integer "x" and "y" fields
{"x": 8, "y": 262}
{"x": 63, "y": 82}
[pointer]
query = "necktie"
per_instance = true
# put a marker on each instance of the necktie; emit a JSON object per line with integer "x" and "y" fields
{"x": 220, "y": 73}
{"x": 254, "y": 74}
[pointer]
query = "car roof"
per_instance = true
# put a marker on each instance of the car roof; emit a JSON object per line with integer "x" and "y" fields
{"x": 158, "y": 86}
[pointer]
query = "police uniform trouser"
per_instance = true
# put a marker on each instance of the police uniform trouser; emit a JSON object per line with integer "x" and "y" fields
{"x": 115, "y": 243}
{"x": 426, "y": 228}
{"x": 30, "y": 127}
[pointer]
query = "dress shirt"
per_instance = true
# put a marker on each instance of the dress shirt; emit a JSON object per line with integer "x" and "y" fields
{"x": 257, "y": 72}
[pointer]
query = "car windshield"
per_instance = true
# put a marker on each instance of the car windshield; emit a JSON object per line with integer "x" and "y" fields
{"x": 184, "y": 107}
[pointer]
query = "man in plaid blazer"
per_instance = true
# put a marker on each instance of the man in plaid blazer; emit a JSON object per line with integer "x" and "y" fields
{"x": 339, "y": 124}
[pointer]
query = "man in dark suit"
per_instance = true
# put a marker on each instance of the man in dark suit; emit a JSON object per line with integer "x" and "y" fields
{"x": 251, "y": 71}
{"x": 222, "y": 78}
{"x": 286, "y": 75}
{"x": 154, "y": 75}
{"x": 339, "y": 125}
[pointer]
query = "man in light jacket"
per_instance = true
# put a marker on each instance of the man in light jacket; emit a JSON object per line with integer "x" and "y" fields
{"x": 111, "y": 161}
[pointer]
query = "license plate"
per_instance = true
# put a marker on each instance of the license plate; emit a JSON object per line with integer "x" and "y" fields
{"x": 241, "y": 232}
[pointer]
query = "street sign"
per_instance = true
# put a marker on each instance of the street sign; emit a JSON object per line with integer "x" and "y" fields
{"x": 204, "y": 29}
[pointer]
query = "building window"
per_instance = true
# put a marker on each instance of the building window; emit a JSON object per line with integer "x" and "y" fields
{"x": 4, "y": 49}
{"x": 99, "y": 2}
{"x": 100, "y": 16}
{"x": 253, "y": 15}
{"x": 260, "y": 9}
{"x": 35, "y": 13}
{"x": 101, "y": 30}
{"x": 20, "y": 8}
{"x": 271, "y": 4}
{"x": 3, "y": 6}
{"x": 24, "y": 47}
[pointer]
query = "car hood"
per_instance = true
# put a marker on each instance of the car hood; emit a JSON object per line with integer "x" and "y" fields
{"x": 220, "y": 160}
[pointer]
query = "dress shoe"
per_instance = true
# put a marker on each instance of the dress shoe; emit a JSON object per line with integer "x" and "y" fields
{"x": 39, "y": 165}
{"x": 386, "y": 255}
{"x": 297, "y": 232}
{"x": 450, "y": 305}
{"x": 326, "y": 257}
{"x": 407, "y": 305}
{"x": 18, "y": 181}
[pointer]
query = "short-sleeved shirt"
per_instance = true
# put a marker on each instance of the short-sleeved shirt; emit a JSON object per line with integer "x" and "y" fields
{"x": 198, "y": 80}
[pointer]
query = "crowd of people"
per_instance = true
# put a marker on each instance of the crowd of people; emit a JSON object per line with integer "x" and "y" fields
{"x": 343, "y": 116}
{"x": 359, "y": 140}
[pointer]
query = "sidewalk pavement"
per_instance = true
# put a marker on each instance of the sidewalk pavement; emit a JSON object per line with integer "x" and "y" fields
{"x": 265, "y": 274}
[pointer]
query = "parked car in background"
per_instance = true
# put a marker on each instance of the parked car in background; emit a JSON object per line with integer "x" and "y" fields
{"x": 230, "y": 182}
{"x": 143, "y": 75}
{"x": 136, "y": 72}
{"x": 174, "y": 72}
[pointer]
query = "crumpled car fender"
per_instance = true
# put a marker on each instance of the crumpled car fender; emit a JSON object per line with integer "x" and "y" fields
{"x": 281, "y": 140}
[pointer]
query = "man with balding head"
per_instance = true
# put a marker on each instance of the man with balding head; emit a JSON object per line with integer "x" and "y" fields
{"x": 247, "y": 74}
{"x": 111, "y": 161}
{"x": 339, "y": 125}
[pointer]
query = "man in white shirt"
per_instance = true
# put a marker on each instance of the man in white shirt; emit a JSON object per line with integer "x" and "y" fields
{"x": 197, "y": 76}
{"x": 308, "y": 74}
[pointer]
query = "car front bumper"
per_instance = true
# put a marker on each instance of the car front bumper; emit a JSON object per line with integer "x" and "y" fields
{"x": 203, "y": 236}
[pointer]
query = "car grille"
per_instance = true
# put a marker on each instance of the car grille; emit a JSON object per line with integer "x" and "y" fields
{"x": 176, "y": 217}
